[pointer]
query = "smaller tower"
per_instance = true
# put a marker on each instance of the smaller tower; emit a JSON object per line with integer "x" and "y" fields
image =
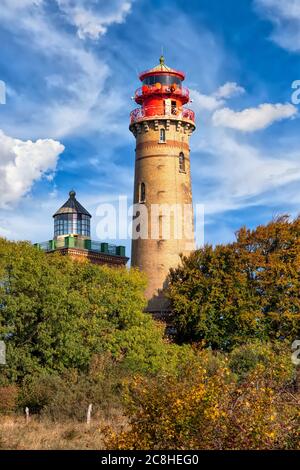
{"x": 72, "y": 219}
{"x": 72, "y": 237}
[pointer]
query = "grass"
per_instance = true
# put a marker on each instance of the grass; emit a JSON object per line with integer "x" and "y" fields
{"x": 45, "y": 434}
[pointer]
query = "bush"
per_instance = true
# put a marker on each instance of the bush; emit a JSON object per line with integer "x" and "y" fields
{"x": 68, "y": 396}
{"x": 275, "y": 358}
{"x": 209, "y": 410}
{"x": 8, "y": 398}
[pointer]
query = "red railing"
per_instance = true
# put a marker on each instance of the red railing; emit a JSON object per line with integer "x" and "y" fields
{"x": 140, "y": 113}
{"x": 158, "y": 72}
{"x": 165, "y": 89}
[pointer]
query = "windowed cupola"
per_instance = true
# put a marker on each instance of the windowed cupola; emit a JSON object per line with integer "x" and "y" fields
{"x": 72, "y": 219}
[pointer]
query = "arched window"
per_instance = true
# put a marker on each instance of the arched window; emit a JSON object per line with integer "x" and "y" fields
{"x": 181, "y": 162}
{"x": 142, "y": 192}
{"x": 162, "y": 135}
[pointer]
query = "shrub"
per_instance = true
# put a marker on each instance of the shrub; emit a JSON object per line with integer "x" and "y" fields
{"x": 274, "y": 357}
{"x": 68, "y": 395}
{"x": 8, "y": 398}
{"x": 201, "y": 410}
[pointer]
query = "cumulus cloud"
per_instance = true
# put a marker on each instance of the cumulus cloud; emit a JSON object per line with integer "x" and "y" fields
{"x": 217, "y": 99}
{"x": 253, "y": 119}
{"x": 241, "y": 174}
{"x": 229, "y": 90}
{"x": 24, "y": 162}
{"x": 285, "y": 16}
{"x": 206, "y": 102}
{"x": 90, "y": 22}
{"x": 234, "y": 172}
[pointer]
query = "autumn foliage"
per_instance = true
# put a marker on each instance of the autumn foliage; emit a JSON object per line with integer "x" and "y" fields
{"x": 207, "y": 407}
{"x": 225, "y": 295}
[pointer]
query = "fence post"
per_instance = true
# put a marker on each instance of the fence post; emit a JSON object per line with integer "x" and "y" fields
{"x": 27, "y": 414}
{"x": 88, "y": 415}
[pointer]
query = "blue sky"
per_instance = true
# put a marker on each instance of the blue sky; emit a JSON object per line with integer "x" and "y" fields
{"x": 70, "y": 69}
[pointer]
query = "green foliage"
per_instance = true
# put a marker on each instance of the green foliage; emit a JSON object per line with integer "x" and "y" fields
{"x": 275, "y": 358}
{"x": 76, "y": 334}
{"x": 141, "y": 349}
{"x": 248, "y": 289}
{"x": 56, "y": 313}
{"x": 67, "y": 396}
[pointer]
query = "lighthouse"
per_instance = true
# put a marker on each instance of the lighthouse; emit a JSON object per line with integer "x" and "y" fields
{"x": 72, "y": 237}
{"x": 163, "y": 215}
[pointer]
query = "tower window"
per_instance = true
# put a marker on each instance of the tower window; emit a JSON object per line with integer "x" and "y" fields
{"x": 162, "y": 135}
{"x": 181, "y": 162}
{"x": 173, "y": 107}
{"x": 142, "y": 192}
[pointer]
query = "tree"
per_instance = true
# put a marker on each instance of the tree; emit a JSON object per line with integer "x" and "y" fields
{"x": 246, "y": 289}
{"x": 56, "y": 313}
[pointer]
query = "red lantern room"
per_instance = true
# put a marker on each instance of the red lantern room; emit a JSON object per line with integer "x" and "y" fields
{"x": 162, "y": 94}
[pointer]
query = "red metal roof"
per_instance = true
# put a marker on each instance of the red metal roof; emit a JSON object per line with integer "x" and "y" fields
{"x": 161, "y": 68}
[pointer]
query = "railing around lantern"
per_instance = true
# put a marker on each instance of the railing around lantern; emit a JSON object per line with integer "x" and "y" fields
{"x": 72, "y": 242}
{"x": 149, "y": 112}
{"x": 146, "y": 72}
{"x": 163, "y": 89}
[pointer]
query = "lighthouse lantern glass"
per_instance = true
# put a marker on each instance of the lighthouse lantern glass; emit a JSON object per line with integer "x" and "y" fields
{"x": 163, "y": 79}
{"x": 66, "y": 224}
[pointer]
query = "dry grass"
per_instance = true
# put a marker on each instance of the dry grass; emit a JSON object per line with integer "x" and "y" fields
{"x": 43, "y": 433}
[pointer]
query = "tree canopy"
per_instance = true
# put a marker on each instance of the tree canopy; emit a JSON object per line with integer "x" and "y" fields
{"x": 57, "y": 313}
{"x": 226, "y": 294}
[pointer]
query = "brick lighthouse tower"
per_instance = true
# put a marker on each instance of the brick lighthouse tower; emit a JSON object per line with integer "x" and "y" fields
{"x": 163, "y": 219}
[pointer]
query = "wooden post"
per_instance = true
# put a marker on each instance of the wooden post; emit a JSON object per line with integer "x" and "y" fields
{"x": 27, "y": 414}
{"x": 88, "y": 415}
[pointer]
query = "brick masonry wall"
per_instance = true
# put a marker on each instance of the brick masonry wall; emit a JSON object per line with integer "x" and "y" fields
{"x": 93, "y": 256}
{"x": 157, "y": 166}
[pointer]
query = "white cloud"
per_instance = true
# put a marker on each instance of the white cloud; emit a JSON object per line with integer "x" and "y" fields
{"x": 285, "y": 16}
{"x": 253, "y": 119}
{"x": 240, "y": 174}
{"x": 21, "y": 4}
{"x": 229, "y": 90}
{"x": 79, "y": 103}
{"x": 206, "y": 102}
{"x": 24, "y": 162}
{"x": 89, "y": 22}
{"x": 218, "y": 98}
{"x": 288, "y": 9}
{"x": 229, "y": 170}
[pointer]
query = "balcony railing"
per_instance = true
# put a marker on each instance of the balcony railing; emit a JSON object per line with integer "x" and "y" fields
{"x": 164, "y": 89}
{"x": 146, "y": 72}
{"x": 149, "y": 112}
{"x": 91, "y": 245}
